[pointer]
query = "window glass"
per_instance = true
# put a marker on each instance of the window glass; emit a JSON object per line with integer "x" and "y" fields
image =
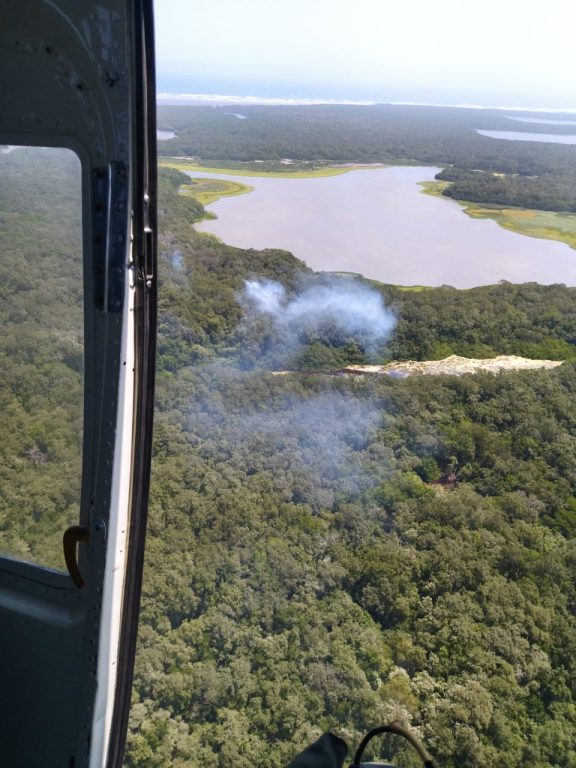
{"x": 41, "y": 351}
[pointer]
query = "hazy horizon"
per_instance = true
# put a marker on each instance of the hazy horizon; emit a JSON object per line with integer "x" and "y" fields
{"x": 504, "y": 54}
{"x": 217, "y": 99}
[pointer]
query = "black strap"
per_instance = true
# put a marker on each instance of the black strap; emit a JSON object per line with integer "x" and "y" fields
{"x": 399, "y": 730}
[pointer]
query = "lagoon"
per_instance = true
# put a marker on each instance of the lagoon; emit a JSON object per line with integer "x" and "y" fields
{"x": 379, "y": 223}
{"x": 547, "y": 138}
{"x": 540, "y": 121}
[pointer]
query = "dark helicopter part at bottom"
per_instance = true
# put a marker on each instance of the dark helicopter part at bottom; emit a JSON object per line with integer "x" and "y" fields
{"x": 329, "y": 751}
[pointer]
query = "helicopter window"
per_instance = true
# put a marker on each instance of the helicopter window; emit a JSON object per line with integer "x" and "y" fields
{"x": 41, "y": 351}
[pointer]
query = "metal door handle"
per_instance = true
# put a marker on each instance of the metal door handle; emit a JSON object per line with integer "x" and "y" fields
{"x": 72, "y": 537}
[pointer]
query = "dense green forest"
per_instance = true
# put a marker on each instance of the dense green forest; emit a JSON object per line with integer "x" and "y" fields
{"x": 484, "y": 170}
{"x": 334, "y": 553}
{"x": 41, "y": 351}
{"x": 323, "y": 552}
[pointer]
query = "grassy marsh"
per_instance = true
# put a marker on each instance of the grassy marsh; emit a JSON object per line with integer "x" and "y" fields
{"x": 208, "y": 191}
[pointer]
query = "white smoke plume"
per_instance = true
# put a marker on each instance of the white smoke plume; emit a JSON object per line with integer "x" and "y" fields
{"x": 349, "y": 307}
{"x": 322, "y": 439}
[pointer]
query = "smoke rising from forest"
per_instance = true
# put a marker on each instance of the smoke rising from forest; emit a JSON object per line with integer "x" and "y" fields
{"x": 337, "y": 308}
{"x": 316, "y": 433}
{"x": 321, "y": 439}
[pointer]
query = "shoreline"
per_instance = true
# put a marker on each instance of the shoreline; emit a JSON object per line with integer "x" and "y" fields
{"x": 545, "y": 225}
{"x": 323, "y": 172}
{"x": 542, "y": 225}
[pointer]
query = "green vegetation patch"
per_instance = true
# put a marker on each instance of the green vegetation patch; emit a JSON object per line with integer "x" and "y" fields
{"x": 378, "y": 283}
{"x": 208, "y": 191}
{"x": 434, "y": 188}
{"x": 273, "y": 171}
{"x": 547, "y": 225}
{"x": 414, "y": 288}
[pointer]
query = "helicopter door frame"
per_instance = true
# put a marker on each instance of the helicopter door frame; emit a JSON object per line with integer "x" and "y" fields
{"x": 81, "y": 76}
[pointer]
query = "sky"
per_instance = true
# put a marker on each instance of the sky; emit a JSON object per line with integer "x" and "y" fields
{"x": 488, "y": 52}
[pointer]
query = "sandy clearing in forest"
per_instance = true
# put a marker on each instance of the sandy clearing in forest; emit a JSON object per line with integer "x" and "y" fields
{"x": 452, "y": 366}
{"x": 456, "y": 366}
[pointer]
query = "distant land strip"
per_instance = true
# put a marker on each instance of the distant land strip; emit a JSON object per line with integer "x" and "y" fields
{"x": 296, "y": 173}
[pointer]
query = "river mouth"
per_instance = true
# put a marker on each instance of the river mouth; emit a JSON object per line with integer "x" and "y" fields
{"x": 377, "y": 222}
